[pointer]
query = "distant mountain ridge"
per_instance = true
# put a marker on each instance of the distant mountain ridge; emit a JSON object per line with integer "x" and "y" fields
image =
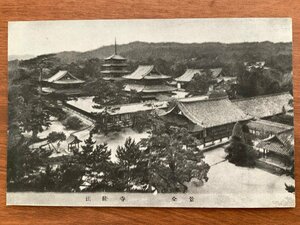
{"x": 174, "y": 58}
{"x": 20, "y": 57}
{"x": 179, "y": 51}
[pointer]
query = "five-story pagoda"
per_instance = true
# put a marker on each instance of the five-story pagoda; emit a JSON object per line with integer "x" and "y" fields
{"x": 114, "y": 67}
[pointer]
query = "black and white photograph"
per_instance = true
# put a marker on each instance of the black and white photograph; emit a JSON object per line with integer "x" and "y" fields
{"x": 151, "y": 113}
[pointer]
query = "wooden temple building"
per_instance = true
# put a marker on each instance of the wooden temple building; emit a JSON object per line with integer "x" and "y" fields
{"x": 124, "y": 115}
{"x": 149, "y": 82}
{"x": 266, "y": 106}
{"x": 116, "y": 116}
{"x": 63, "y": 82}
{"x": 182, "y": 81}
{"x": 209, "y": 120}
{"x": 114, "y": 67}
{"x": 262, "y": 129}
{"x": 277, "y": 151}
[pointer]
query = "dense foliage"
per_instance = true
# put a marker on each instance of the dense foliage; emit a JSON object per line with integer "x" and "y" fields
{"x": 173, "y": 158}
{"x": 56, "y": 136}
{"x": 263, "y": 81}
{"x": 73, "y": 123}
{"x": 240, "y": 151}
{"x": 131, "y": 167}
{"x": 164, "y": 162}
{"x": 174, "y": 58}
{"x": 200, "y": 83}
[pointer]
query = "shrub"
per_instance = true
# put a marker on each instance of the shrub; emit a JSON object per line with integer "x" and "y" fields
{"x": 73, "y": 123}
{"x": 56, "y": 136}
{"x": 141, "y": 122}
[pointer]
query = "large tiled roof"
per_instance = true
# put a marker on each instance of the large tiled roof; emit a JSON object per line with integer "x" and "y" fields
{"x": 268, "y": 126}
{"x": 136, "y": 107}
{"x": 147, "y": 72}
{"x": 265, "y": 105}
{"x": 212, "y": 112}
{"x": 193, "y": 98}
{"x": 190, "y": 73}
{"x": 287, "y": 137}
{"x": 180, "y": 121}
{"x": 273, "y": 145}
{"x": 57, "y": 76}
{"x": 282, "y": 143}
{"x": 87, "y": 104}
{"x": 64, "y": 77}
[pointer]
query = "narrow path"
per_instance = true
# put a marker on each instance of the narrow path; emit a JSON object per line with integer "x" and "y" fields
{"x": 90, "y": 127}
{"x": 218, "y": 162}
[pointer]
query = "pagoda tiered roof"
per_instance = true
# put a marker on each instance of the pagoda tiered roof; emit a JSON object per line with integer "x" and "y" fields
{"x": 114, "y": 64}
{"x": 115, "y": 67}
{"x": 114, "y": 71}
{"x": 115, "y": 57}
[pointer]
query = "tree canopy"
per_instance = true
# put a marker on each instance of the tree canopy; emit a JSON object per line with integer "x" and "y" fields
{"x": 173, "y": 158}
{"x": 240, "y": 151}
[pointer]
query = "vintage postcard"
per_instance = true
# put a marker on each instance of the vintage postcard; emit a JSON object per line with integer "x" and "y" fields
{"x": 151, "y": 113}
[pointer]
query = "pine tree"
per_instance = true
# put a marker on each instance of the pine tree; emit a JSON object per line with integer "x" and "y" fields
{"x": 130, "y": 165}
{"x": 96, "y": 163}
{"x": 173, "y": 159}
{"x": 101, "y": 169}
{"x": 240, "y": 150}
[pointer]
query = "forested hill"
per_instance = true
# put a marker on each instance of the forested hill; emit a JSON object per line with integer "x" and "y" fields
{"x": 278, "y": 55}
{"x": 174, "y": 58}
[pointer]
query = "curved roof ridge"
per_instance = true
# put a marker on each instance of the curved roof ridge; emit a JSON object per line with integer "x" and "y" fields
{"x": 60, "y": 74}
{"x": 140, "y": 72}
{"x": 188, "y": 75}
{"x": 115, "y": 56}
{"x": 205, "y": 100}
{"x": 212, "y": 112}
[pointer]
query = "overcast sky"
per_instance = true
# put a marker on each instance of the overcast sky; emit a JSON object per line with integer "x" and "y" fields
{"x": 41, "y": 37}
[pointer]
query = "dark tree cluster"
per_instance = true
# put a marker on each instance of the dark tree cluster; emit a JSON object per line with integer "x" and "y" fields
{"x": 200, "y": 83}
{"x": 72, "y": 123}
{"x": 240, "y": 150}
{"x": 164, "y": 162}
{"x": 263, "y": 81}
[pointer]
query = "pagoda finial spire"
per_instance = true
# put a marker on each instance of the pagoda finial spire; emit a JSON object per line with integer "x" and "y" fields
{"x": 115, "y": 46}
